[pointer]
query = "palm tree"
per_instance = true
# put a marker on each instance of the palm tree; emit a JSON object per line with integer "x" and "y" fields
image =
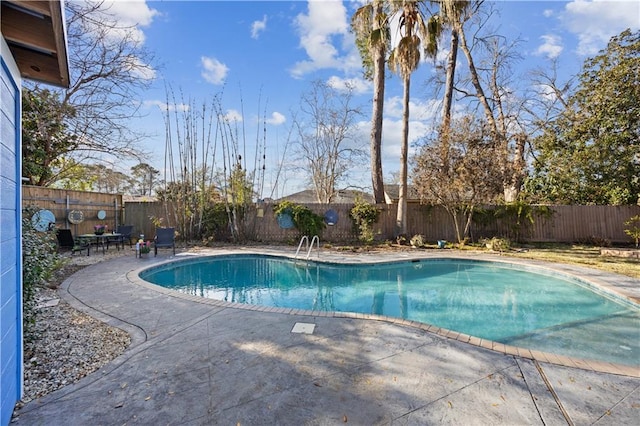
{"x": 370, "y": 23}
{"x": 404, "y": 60}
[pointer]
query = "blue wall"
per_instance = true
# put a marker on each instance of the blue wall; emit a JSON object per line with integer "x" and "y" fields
{"x": 10, "y": 239}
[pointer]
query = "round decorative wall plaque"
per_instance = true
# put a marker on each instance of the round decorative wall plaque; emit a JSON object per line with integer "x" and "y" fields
{"x": 75, "y": 217}
{"x": 42, "y": 220}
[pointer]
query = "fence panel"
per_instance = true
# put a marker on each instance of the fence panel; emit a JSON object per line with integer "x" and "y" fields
{"x": 566, "y": 224}
{"x": 63, "y": 201}
{"x": 140, "y": 214}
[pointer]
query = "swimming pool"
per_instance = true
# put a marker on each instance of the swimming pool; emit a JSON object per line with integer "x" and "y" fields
{"x": 507, "y": 303}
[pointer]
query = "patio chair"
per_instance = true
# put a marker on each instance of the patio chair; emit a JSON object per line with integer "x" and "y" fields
{"x": 125, "y": 232}
{"x": 66, "y": 241}
{"x": 165, "y": 238}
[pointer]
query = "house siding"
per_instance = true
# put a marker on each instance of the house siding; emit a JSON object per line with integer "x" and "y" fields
{"x": 10, "y": 241}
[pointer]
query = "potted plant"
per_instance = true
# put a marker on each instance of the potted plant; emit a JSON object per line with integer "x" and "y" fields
{"x": 143, "y": 247}
{"x": 99, "y": 229}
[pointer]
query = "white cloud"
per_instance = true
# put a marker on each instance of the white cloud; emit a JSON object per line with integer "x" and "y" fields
{"x": 258, "y": 26}
{"x": 596, "y": 21}
{"x": 139, "y": 69}
{"x": 421, "y": 123}
{"x": 233, "y": 116}
{"x": 358, "y": 85}
{"x": 276, "y": 118}
{"x": 547, "y": 13}
{"x": 325, "y": 37}
{"x": 163, "y": 106}
{"x": 545, "y": 91}
{"x": 129, "y": 16}
{"x": 424, "y": 111}
{"x": 213, "y": 71}
{"x": 115, "y": 21}
{"x": 131, "y": 12}
{"x": 551, "y": 46}
{"x": 392, "y": 141}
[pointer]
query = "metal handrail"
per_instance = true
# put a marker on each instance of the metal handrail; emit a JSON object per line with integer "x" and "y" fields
{"x": 317, "y": 240}
{"x": 303, "y": 239}
{"x": 308, "y": 247}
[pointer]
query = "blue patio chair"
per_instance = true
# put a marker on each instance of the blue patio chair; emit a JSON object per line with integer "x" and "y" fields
{"x": 165, "y": 238}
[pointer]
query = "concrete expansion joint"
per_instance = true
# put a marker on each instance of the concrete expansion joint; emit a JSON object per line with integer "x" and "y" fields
{"x": 547, "y": 383}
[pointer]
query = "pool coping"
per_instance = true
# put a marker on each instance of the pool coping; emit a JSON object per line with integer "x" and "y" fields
{"x": 628, "y": 291}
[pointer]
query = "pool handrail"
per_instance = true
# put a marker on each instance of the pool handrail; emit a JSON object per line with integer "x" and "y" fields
{"x": 308, "y": 247}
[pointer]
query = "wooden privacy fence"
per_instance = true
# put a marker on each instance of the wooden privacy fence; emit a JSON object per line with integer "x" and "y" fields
{"x": 141, "y": 215}
{"x": 94, "y": 208}
{"x": 565, "y": 224}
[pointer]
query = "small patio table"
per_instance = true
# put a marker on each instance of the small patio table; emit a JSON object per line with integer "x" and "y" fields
{"x": 102, "y": 239}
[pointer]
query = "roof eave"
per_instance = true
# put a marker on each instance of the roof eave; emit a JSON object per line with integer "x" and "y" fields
{"x": 35, "y": 32}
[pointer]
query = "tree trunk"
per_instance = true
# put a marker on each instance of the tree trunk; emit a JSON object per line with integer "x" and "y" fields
{"x": 518, "y": 170}
{"x": 377, "y": 180}
{"x": 401, "y": 218}
{"x": 448, "y": 101}
{"x": 475, "y": 80}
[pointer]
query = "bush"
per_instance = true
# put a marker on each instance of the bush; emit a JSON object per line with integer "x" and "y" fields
{"x": 497, "y": 244}
{"x": 633, "y": 229}
{"x": 364, "y": 215}
{"x": 40, "y": 259}
{"x": 519, "y": 216}
{"x": 595, "y": 241}
{"x": 305, "y": 221}
{"x": 215, "y": 222}
{"x": 417, "y": 241}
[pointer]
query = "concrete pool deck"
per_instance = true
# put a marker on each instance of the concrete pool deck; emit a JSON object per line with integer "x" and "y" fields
{"x": 196, "y": 361}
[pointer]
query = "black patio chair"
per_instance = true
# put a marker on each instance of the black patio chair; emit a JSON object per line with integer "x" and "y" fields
{"x": 165, "y": 238}
{"x": 66, "y": 241}
{"x": 125, "y": 232}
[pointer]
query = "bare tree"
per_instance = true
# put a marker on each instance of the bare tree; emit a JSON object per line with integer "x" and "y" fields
{"x": 190, "y": 141}
{"x": 325, "y": 138}
{"x": 470, "y": 179}
{"x": 489, "y": 82}
{"x": 109, "y": 68}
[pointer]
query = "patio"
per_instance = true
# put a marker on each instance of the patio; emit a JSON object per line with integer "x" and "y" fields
{"x": 198, "y": 361}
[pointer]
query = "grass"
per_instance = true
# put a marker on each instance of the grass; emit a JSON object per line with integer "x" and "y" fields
{"x": 579, "y": 255}
{"x": 583, "y": 255}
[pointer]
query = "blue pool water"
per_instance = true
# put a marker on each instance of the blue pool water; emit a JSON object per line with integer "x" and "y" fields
{"x": 502, "y": 302}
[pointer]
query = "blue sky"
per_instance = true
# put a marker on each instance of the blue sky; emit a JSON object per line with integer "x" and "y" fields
{"x": 260, "y": 56}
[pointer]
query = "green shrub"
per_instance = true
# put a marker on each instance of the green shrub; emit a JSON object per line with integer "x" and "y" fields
{"x": 305, "y": 221}
{"x": 633, "y": 229}
{"x": 364, "y": 215}
{"x": 215, "y": 222}
{"x": 519, "y": 216}
{"x": 40, "y": 259}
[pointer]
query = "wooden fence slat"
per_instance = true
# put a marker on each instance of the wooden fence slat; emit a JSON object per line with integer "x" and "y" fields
{"x": 61, "y": 201}
{"x": 567, "y": 223}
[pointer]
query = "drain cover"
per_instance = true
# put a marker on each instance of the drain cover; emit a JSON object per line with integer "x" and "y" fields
{"x": 303, "y": 328}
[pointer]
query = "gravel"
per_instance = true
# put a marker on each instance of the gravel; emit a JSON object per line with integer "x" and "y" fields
{"x": 65, "y": 344}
